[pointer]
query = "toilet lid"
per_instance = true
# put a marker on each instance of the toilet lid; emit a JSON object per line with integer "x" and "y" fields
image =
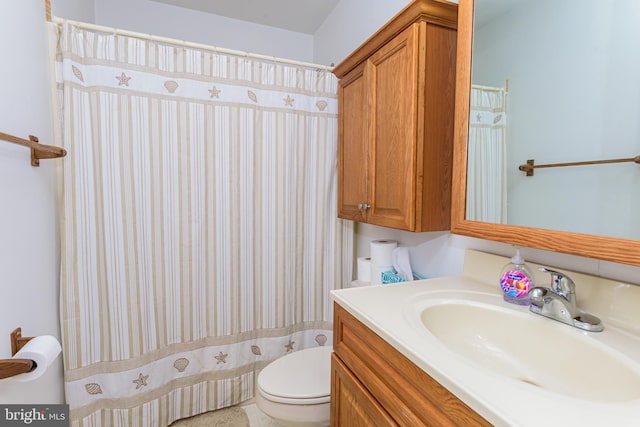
{"x": 304, "y": 374}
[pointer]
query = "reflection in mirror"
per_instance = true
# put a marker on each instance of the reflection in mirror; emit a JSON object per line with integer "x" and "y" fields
{"x": 586, "y": 244}
{"x": 555, "y": 82}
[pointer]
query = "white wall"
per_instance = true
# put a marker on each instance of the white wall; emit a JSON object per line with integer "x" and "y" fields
{"x": 160, "y": 19}
{"x": 29, "y": 246}
{"x": 75, "y": 10}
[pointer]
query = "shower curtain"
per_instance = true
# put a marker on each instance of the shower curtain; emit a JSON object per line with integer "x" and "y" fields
{"x": 198, "y": 223}
{"x": 487, "y": 156}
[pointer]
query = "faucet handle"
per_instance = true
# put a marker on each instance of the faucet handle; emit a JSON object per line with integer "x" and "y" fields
{"x": 560, "y": 282}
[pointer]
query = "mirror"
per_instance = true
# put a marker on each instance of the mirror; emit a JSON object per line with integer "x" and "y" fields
{"x": 555, "y": 84}
{"x": 541, "y": 231}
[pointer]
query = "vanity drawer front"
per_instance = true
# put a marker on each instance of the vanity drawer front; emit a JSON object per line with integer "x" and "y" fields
{"x": 405, "y": 391}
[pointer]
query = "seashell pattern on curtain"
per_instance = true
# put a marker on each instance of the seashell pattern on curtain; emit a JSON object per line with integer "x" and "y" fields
{"x": 198, "y": 224}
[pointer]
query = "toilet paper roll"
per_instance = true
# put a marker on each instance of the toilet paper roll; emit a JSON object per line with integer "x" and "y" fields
{"x": 364, "y": 269}
{"x": 43, "y": 350}
{"x": 376, "y": 273}
{"x": 382, "y": 252}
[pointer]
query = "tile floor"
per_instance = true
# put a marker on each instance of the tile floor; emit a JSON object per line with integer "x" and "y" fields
{"x": 257, "y": 418}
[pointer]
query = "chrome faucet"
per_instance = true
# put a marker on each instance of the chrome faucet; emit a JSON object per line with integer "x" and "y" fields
{"x": 558, "y": 302}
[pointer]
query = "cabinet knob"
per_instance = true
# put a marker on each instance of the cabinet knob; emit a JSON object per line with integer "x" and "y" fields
{"x": 363, "y": 206}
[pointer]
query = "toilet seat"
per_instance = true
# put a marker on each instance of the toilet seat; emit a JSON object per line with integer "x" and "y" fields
{"x": 299, "y": 378}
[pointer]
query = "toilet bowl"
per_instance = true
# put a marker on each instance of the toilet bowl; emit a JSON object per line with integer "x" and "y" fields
{"x": 295, "y": 389}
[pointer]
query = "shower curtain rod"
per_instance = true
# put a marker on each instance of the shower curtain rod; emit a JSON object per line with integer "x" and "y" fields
{"x": 183, "y": 43}
{"x": 492, "y": 88}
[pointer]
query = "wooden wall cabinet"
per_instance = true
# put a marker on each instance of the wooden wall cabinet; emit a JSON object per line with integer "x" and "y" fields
{"x": 395, "y": 131}
{"x": 373, "y": 384}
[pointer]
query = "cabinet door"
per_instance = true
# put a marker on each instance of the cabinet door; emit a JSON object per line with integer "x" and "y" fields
{"x": 352, "y": 146}
{"x": 392, "y": 78}
{"x": 351, "y": 403}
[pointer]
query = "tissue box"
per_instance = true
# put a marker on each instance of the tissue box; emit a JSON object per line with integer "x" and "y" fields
{"x": 392, "y": 277}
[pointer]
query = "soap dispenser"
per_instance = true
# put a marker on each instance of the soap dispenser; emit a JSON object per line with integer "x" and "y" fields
{"x": 516, "y": 281}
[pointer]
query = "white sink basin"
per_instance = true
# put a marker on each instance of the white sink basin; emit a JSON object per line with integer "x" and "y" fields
{"x": 528, "y": 348}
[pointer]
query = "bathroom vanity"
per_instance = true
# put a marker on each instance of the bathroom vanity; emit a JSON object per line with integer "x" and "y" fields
{"x": 449, "y": 351}
{"x": 374, "y": 384}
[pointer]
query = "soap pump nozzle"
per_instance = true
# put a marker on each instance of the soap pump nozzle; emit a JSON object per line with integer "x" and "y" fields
{"x": 517, "y": 258}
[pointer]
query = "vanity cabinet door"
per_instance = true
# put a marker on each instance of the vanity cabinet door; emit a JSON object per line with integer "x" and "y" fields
{"x": 351, "y": 404}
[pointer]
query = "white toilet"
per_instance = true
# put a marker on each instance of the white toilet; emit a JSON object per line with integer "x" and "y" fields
{"x": 295, "y": 389}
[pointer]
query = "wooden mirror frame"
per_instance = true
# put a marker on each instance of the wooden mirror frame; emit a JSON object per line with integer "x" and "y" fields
{"x": 624, "y": 251}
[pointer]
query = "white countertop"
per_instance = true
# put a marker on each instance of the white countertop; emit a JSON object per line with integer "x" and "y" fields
{"x": 392, "y": 312}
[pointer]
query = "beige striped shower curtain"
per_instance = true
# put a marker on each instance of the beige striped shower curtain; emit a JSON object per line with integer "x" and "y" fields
{"x": 487, "y": 155}
{"x": 198, "y": 224}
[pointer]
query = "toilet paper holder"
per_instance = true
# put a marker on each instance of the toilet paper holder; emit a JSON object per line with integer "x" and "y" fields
{"x": 13, "y": 367}
{"x": 18, "y": 341}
